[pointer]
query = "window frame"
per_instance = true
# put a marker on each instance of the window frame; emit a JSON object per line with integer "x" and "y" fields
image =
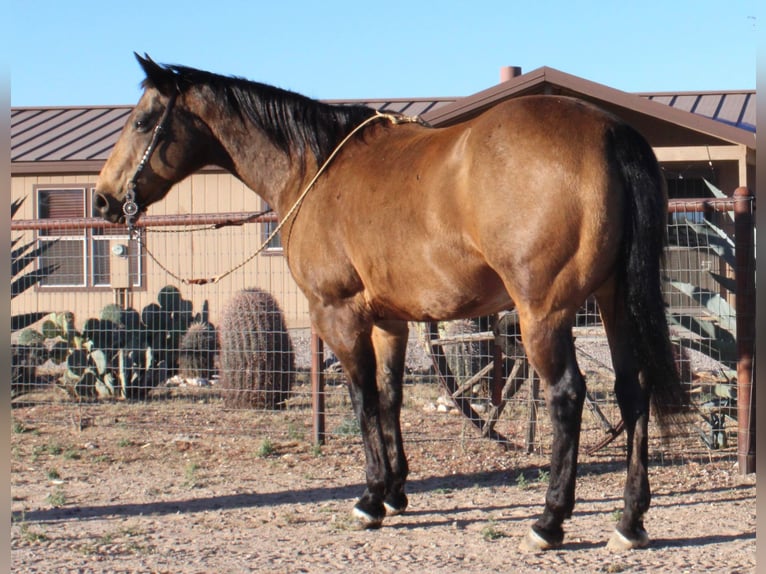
{"x": 89, "y": 236}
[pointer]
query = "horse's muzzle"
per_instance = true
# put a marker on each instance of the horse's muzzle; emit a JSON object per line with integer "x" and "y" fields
{"x": 108, "y": 207}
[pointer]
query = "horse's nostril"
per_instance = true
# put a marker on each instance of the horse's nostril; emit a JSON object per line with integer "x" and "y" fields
{"x": 100, "y": 203}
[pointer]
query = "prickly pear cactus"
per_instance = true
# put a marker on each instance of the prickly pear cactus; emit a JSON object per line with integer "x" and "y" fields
{"x": 257, "y": 360}
{"x": 110, "y": 358}
{"x": 28, "y": 354}
{"x": 119, "y": 355}
{"x": 112, "y": 313}
{"x": 166, "y": 322}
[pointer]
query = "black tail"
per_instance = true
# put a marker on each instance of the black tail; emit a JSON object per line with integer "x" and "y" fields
{"x": 645, "y": 238}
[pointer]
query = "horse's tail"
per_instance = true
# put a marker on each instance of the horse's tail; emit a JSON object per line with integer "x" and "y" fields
{"x": 643, "y": 254}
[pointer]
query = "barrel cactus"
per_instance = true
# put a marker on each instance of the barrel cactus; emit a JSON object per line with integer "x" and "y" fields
{"x": 196, "y": 354}
{"x": 257, "y": 360}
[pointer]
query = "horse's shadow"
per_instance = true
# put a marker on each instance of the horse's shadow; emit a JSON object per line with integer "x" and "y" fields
{"x": 426, "y": 518}
{"x": 453, "y": 482}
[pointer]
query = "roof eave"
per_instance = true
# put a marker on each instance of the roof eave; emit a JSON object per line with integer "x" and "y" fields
{"x": 534, "y": 81}
{"x": 61, "y": 167}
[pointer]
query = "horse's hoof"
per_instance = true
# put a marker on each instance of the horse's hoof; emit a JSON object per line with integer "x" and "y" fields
{"x": 365, "y": 521}
{"x": 621, "y": 543}
{"x": 533, "y": 542}
{"x": 395, "y": 504}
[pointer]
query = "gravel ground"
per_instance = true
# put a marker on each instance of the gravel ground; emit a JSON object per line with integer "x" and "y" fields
{"x": 184, "y": 489}
{"x": 178, "y": 487}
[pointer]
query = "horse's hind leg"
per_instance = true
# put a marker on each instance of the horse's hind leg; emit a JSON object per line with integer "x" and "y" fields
{"x": 633, "y": 399}
{"x": 550, "y": 347}
{"x": 390, "y": 342}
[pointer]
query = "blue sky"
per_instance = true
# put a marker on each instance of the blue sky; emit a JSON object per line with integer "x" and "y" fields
{"x": 81, "y": 52}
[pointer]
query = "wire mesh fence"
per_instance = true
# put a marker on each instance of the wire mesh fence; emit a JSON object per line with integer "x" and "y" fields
{"x": 143, "y": 326}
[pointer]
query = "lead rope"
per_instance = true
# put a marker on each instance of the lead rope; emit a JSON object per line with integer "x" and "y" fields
{"x": 393, "y": 118}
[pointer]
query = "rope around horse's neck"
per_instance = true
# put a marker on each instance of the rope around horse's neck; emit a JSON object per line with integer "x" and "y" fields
{"x": 393, "y": 118}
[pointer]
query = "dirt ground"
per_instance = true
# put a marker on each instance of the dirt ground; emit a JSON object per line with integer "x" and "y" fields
{"x": 116, "y": 488}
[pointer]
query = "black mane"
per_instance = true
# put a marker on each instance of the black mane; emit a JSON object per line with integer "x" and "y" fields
{"x": 293, "y": 122}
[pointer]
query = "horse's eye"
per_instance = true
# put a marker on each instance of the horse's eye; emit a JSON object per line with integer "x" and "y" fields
{"x": 141, "y": 125}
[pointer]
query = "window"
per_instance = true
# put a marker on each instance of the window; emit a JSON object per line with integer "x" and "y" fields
{"x": 83, "y": 255}
{"x": 267, "y": 228}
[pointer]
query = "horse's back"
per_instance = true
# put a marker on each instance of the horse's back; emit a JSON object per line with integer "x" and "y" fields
{"x": 519, "y": 203}
{"x": 548, "y": 195}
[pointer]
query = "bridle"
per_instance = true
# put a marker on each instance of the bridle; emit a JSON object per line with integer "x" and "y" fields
{"x": 130, "y": 207}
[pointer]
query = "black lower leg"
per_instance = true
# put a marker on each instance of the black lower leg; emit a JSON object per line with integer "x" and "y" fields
{"x": 390, "y": 342}
{"x": 637, "y": 491}
{"x": 565, "y": 402}
{"x": 370, "y": 507}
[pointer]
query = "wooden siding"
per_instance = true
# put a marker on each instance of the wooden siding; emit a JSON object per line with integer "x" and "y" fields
{"x": 190, "y": 254}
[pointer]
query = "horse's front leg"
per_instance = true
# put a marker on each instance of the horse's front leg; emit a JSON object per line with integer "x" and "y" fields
{"x": 350, "y": 338}
{"x": 390, "y": 342}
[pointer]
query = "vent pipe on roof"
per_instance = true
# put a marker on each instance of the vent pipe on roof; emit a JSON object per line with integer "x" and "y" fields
{"x": 509, "y": 72}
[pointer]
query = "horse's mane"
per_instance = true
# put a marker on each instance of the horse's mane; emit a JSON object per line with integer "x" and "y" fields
{"x": 293, "y": 122}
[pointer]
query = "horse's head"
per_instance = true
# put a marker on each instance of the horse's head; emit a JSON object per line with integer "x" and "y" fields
{"x": 158, "y": 146}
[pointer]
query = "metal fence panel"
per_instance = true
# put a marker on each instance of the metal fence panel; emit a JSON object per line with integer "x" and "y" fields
{"x": 167, "y": 330}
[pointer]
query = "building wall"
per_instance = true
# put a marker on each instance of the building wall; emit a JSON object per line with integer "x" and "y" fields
{"x": 189, "y": 253}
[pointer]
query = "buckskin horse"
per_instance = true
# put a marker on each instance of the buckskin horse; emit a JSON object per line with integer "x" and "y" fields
{"x": 534, "y": 204}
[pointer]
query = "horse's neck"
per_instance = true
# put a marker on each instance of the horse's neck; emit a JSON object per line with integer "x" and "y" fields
{"x": 263, "y": 167}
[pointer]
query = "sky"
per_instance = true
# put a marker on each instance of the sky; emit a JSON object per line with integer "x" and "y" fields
{"x": 80, "y": 52}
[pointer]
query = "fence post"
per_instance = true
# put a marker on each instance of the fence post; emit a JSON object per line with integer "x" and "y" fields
{"x": 317, "y": 387}
{"x": 744, "y": 206}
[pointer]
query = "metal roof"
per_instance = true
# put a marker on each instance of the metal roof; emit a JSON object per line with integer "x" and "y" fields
{"x": 54, "y": 139}
{"x": 733, "y": 108}
{"x": 653, "y": 117}
{"x": 63, "y": 134}
{"x": 45, "y": 138}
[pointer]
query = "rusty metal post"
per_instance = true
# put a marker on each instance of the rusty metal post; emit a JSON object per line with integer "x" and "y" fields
{"x": 317, "y": 387}
{"x": 744, "y": 207}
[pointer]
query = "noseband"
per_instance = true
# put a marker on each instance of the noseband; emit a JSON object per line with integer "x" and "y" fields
{"x": 130, "y": 207}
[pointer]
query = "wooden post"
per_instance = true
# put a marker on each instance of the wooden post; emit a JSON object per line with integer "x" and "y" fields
{"x": 498, "y": 381}
{"x": 744, "y": 206}
{"x": 317, "y": 387}
{"x": 534, "y": 392}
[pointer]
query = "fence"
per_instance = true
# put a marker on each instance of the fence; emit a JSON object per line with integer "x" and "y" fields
{"x": 163, "y": 335}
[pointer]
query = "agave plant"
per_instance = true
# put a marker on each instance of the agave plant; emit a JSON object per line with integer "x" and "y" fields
{"x": 717, "y": 330}
{"x": 28, "y": 354}
{"x": 23, "y": 255}
{"x": 712, "y": 332}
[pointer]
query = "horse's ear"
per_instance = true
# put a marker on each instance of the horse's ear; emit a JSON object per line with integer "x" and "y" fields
{"x": 157, "y": 76}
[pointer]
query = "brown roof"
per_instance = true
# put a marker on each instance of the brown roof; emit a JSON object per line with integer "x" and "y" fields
{"x": 735, "y": 108}
{"x": 52, "y": 139}
{"x": 410, "y": 107}
{"x": 79, "y": 139}
{"x": 44, "y": 138}
{"x": 712, "y": 123}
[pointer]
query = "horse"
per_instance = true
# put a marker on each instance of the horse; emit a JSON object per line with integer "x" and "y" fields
{"x": 534, "y": 204}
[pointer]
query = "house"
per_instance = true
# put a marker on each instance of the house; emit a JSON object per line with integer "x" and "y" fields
{"x": 57, "y": 153}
